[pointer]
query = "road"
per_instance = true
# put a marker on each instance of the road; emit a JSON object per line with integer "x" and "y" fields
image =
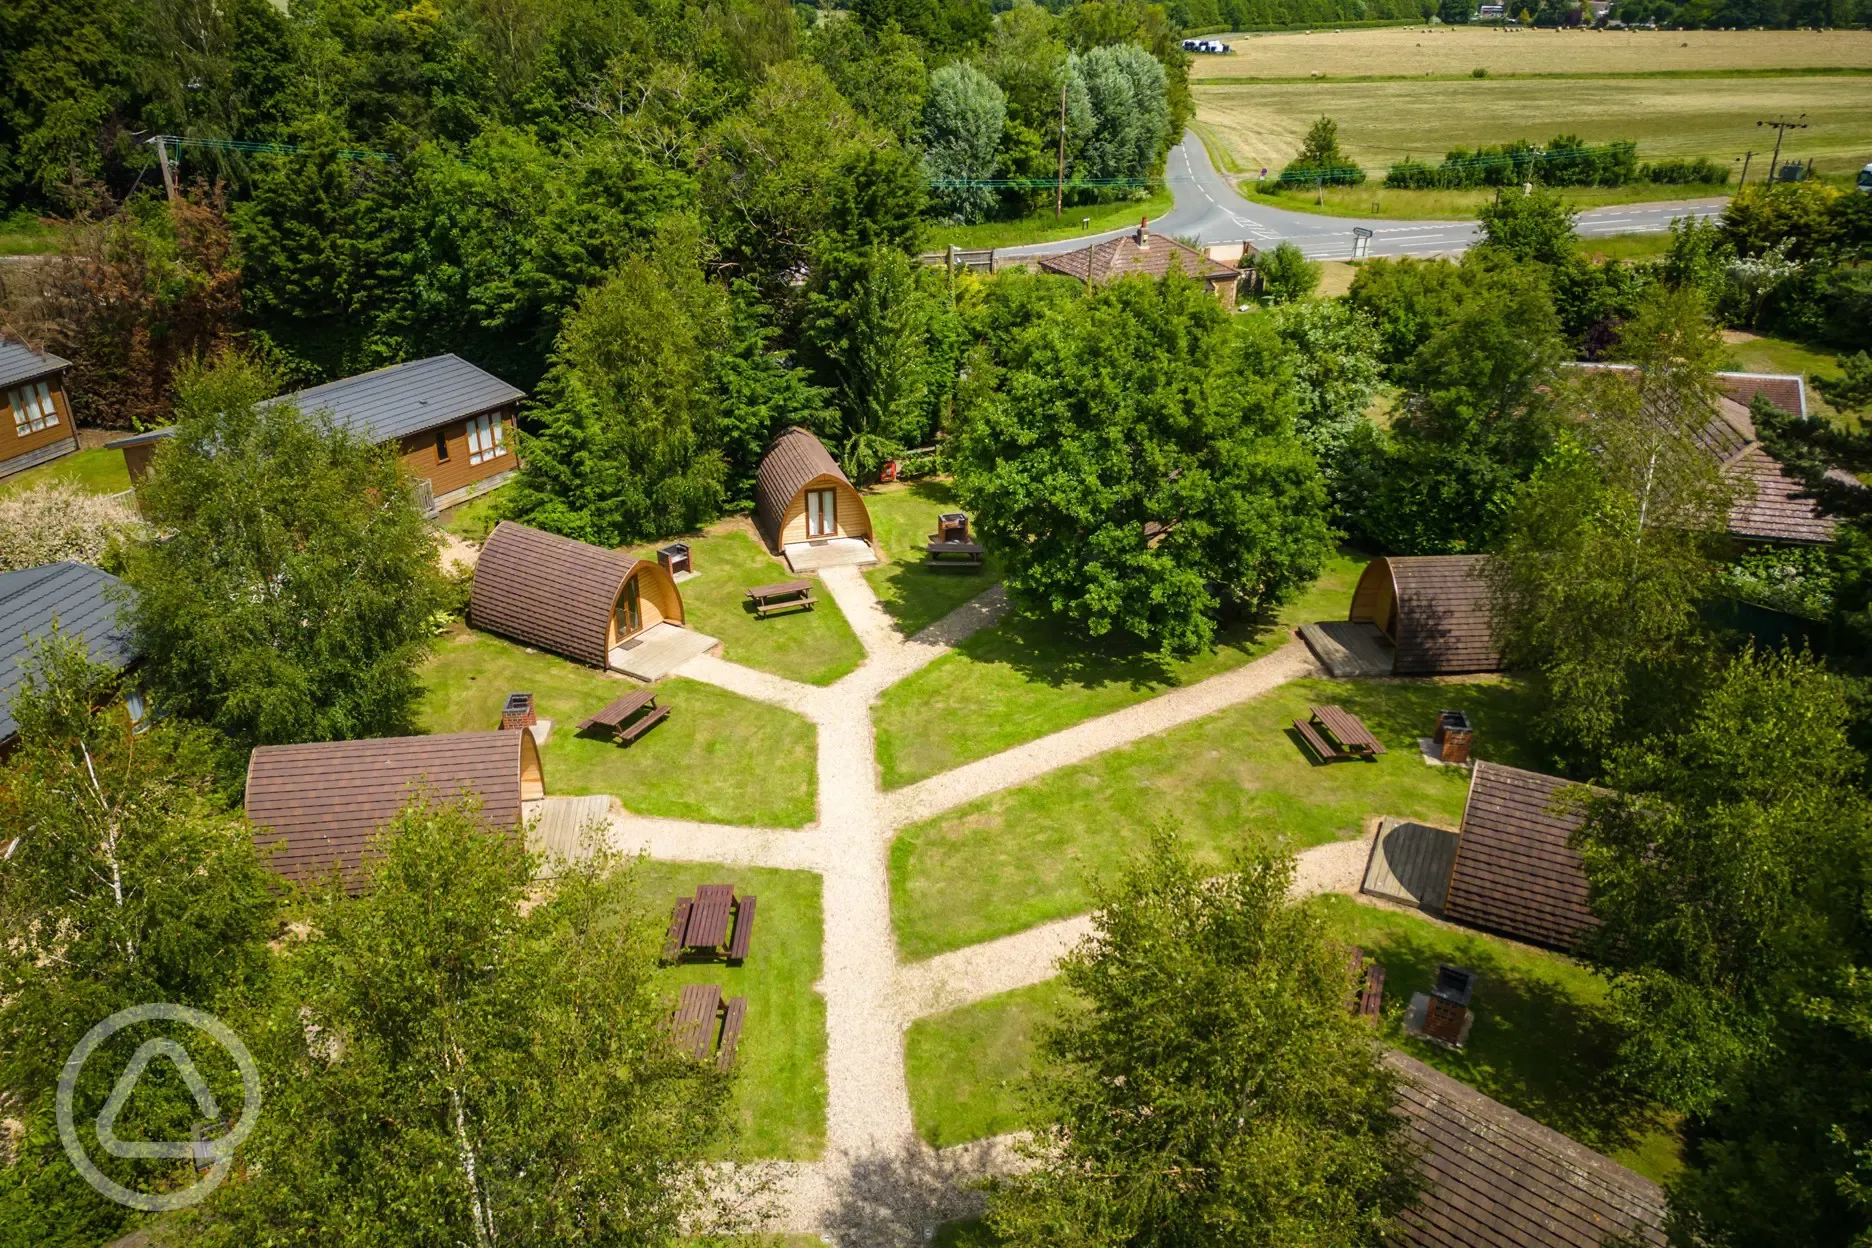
{"x": 1208, "y": 208}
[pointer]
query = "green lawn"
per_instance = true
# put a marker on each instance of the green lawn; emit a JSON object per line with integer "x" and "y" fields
{"x": 1026, "y": 678}
{"x": 1373, "y": 199}
{"x": 1027, "y": 855}
{"x": 1542, "y": 1042}
{"x": 718, "y": 757}
{"x": 473, "y": 520}
{"x": 781, "y": 1093}
{"x": 96, "y": 471}
{"x": 816, "y": 646}
{"x": 902, "y": 518}
{"x": 1603, "y": 247}
{"x": 1759, "y": 353}
{"x": 965, "y": 1065}
{"x": 966, "y": 1233}
{"x": 1041, "y": 227}
{"x": 23, "y": 234}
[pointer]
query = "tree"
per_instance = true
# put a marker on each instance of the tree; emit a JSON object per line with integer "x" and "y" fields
{"x": 457, "y": 1060}
{"x": 56, "y": 520}
{"x": 124, "y": 882}
{"x": 1128, "y": 95}
{"x": 1729, "y": 869}
{"x": 1608, "y": 552}
{"x": 1286, "y": 273}
{"x": 1408, "y": 300}
{"x": 1537, "y": 226}
{"x": 1214, "y": 1090}
{"x": 1335, "y": 373}
{"x": 628, "y": 447}
{"x": 1131, "y": 456}
{"x": 293, "y": 597}
{"x": 880, "y": 72}
{"x": 1321, "y": 160}
{"x": 962, "y": 124}
{"x": 762, "y": 393}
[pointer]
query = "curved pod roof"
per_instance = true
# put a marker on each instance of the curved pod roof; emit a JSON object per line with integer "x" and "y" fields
{"x": 554, "y": 592}
{"x": 795, "y": 459}
{"x": 1441, "y": 624}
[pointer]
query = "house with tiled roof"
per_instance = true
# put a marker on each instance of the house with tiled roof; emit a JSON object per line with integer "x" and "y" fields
{"x": 38, "y": 426}
{"x": 1142, "y": 254}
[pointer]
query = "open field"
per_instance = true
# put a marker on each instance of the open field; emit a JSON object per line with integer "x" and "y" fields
{"x": 1541, "y": 1042}
{"x": 1028, "y": 855}
{"x": 913, "y": 593}
{"x": 780, "y": 1097}
{"x": 816, "y": 646}
{"x": 1381, "y": 122}
{"x": 1374, "y": 199}
{"x": 718, "y": 757}
{"x": 1459, "y": 49}
{"x": 96, "y": 472}
{"x": 1040, "y": 227}
{"x": 23, "y": 234}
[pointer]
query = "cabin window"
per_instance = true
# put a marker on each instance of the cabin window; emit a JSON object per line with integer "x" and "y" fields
{"x": 32, "y": 408}
{"x": 441, "y": 446}
{"x": 821, "y": 513}
{"x": 485, "y": 439}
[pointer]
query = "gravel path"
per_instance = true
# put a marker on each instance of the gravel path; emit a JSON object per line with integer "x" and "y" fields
{"x": 1027, "y": 762}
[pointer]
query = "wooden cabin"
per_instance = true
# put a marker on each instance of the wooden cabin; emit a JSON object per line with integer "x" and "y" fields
{"x": 452, "y": 424}
{"x": 39, "y": 427}
{"x": 1433, "y": 610}
{"x": 568, "y": 597}
{"x": 315, "y": 808}
{"x": 84, "y": 603}
{"x": 1516, "y": 871}
{"x": 802, "y": 497}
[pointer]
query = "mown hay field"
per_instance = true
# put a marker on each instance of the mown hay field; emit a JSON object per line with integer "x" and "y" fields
{"x": 1416, "y": 50}
{"x": 1381, "y": 122}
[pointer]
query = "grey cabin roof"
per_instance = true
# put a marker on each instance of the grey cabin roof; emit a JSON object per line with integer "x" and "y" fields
{"x": 79, "y": 599}
{"x": 19, "y": 362}
{"x": 402, "y": 399}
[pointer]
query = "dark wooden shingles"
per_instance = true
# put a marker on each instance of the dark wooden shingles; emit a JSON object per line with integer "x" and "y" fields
{"x": 794, "y": 458}
{"x": 1515, "y": 872}
{"x": 548, "y": 591}
{"x": 1443, "y": 615}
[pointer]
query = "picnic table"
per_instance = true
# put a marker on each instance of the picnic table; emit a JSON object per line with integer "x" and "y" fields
{"x": 713, "y": 922}
{"x": 698, "y": 1009}
{"x": 783, "y": 596}
{"x": 1335, "y": 733}
{"x": 616, "y": 717}
{"x": 965, "y": 556}
{"x": 1368, "y": 986}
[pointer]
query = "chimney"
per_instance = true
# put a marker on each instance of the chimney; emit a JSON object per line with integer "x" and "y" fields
{"x": 1143, "y": 233}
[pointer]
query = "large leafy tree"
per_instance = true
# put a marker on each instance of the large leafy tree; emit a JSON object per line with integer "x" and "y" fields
{"x": 1730, "y": 869}
{"x": 1335, "y": 373}
{"x": 292, "y": 598}
{"x": 962, "y": 124}
{"x": 1131, "y": 456}
{"x": 458, "y": 1059}
{"x": 1214, "y": 1089}
{"x": 627, "y": 443}
{"x": 1608, "y": 552}
{"x": 122, "y": 881}
{"x": 1534, "y": 226}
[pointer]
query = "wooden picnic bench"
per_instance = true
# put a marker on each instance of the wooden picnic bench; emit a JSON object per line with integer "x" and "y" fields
{"x": 1334, "y": 733}
{"x": 713, "y": 922}
{"x": 782, "y": 596}
{"x": 1368, "y": 989}
{"x": 616, "y": 717}
{"x": 963, "y": 556}
{"x": 699, "y": 1008}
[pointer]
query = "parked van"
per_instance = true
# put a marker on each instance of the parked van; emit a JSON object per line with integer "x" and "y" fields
{"x": 1865, "y": 180}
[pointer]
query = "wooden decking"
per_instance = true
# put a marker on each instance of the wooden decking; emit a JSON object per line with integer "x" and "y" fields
{"x": 1348, "y": 649}
{"x": 1410, "y": 864}
{"x": 561, "y": 821}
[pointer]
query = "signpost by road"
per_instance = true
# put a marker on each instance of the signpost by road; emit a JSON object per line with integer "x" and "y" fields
{"x": 1361, "y": 242}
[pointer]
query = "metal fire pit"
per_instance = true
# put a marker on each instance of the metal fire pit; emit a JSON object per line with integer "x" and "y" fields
{"x": 675, "y": 558}
{"x": 517, "y": 712}
{"x": 1454, "y": 736}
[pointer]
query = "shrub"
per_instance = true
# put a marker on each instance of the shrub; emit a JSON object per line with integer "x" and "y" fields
{"x": 1565, "y": 161}
{"x": 1478, "y": 72}
{"x": 1320, "y": 161}
{"x": 56, "y": 521}
{"x": 1680, "y": 172}
{"x": 1286, "y": 273}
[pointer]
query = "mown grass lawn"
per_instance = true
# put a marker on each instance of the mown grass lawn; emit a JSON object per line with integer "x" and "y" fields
{"x": 816, "y": 646}
{"x": 780, "y": 1095}
{"x": 1761, "y": 353}
{"x": 1028, "y": 855}
{"x": 1541, "y": 1043}
{"x": 1026, "y": 678}
{"x": 95, "y": 471}
{"x": 1373, "y": 199}
{"x": 1040, "y": 226}
{"x": 718, "y": 757}
{"x": 913, "y": 593}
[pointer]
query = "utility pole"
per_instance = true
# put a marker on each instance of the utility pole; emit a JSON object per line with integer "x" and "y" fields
{"x": 1059, "y": 187}
{"x": 1743, "y": 180}
{"x": 162, "y": 158}
{"x": 1781, "y": 126}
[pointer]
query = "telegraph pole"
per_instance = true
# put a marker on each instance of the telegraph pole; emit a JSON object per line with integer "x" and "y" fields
{"x": 1781, "y": 126}
{"x": 1059, "y": 187}
{"x": 162, "y": 158}
{"x": 1743, "y": 180}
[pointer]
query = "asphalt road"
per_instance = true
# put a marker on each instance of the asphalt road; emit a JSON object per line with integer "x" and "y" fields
{"x": 1208, "y": 208}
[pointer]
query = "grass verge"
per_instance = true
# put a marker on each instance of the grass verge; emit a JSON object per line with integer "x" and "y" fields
{"x": 95, "y": 471}
{"x": 780, "y": 1096}
{"x": 718, "y": 757}
{"x": 1025, "y": 678}
{"x": 1374, "y": 200}
{"x": 1041, "y": 227}
{"x": 1029, "y": 855}
{"x": 914, "y": 594}
{"x": 1606, "y": 247}
{"x": 816, "y": 646}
